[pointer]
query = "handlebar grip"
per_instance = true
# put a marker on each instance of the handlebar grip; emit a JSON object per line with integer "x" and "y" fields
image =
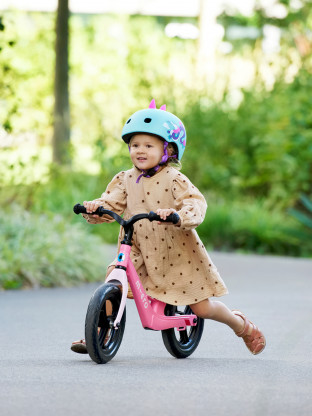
{"x": 80, "y": 209}
{"x": 174, "y": 217}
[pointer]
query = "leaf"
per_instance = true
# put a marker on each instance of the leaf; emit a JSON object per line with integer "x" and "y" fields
{"x": 303, "y": 218}
{"x": 306, "y": 202}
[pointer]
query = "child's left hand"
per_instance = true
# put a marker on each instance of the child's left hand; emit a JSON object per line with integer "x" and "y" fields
{"x": 164, "y": 213}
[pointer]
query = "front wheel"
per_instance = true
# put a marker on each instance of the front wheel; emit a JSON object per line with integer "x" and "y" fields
{"x": 102, "y": 339}
{"x": 182, "y": 344}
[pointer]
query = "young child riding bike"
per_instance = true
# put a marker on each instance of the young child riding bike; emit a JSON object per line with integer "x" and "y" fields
{"x": 170, "y": 260}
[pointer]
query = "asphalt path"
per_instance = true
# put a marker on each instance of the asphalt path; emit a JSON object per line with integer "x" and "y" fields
{"x": 39, "y": 375}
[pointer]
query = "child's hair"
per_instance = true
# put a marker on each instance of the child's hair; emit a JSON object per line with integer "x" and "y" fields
{"x": 172, "y": 159}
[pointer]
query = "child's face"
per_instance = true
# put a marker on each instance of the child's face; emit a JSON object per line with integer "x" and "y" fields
{"x": 146, "y": 151}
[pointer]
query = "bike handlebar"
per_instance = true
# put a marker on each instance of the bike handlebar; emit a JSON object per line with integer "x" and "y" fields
{"x": 151, "y": 216}
{"x": 174, "y": 217}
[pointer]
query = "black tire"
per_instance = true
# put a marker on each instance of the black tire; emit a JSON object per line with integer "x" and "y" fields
{"x": 102, "y": 339}
{"x": 182, "y": 344}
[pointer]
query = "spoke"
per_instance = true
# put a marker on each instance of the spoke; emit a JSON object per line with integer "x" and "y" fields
{"x": 183, "y": 337}
{"x": 102, "y": 336}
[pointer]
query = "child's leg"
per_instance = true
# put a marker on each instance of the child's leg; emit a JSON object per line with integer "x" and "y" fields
{"x": 251, "y": 334}
{"x": 217, "y": 311}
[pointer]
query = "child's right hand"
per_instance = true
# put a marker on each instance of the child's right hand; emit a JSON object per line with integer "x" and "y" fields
{"x": 91, "y": 206}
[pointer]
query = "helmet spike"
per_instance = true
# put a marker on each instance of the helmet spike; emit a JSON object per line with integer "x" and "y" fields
{"x": 152, "y": 104}
{"x": 163, "y": 107}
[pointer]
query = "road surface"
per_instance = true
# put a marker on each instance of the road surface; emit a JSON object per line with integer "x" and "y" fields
{"x": 39, "y": 375}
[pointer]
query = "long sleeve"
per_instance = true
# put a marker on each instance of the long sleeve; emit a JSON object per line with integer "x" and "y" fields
{"x": 114, "y": 198}
{"x": 189, "y": 202}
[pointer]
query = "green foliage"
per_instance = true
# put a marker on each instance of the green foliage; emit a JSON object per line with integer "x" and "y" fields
{"x": 6, "y": 86}
{"x": 304, "y": 215}
{"x": 125, "y": 64}
{"x": 262, "y": 149}
{"x": 249, "y": 226}
{"x": 299, "y": 13}
{"x": 41, "y": 250}
{"x": 255, "y": 158}
{"x": 26, "y": 81}
{"x": 52, "y": 192}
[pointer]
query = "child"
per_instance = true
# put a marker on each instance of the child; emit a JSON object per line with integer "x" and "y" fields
{"x": 170, "y": 259}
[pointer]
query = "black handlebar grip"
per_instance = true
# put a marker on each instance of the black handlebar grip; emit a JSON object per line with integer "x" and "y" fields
{"x": 174, "y": 217}
{"x": 80, "y": 209}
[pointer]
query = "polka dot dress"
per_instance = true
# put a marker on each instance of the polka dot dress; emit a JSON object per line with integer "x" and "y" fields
{"x": 171, "y": 261}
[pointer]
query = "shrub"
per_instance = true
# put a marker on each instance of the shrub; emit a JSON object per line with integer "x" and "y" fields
{"x": 41, "y": 250}
{"x": 250, "y": 227}
{"x": 304, "y": 215}
{"x": 261, "y": 149}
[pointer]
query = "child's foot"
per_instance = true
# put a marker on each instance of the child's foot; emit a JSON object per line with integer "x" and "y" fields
{"x": 251, "y": 334}
{"x": 79, "y": 346}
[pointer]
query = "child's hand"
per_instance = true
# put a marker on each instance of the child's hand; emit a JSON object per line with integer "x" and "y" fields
{"x": 164, "y": 213}
{"x": 91, "y": 206}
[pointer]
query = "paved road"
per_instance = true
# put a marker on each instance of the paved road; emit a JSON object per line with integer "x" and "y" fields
{"x": 39, "y": 375}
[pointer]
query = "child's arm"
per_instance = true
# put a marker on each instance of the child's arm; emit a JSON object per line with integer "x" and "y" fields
{"x": 190, "y": 204}
{"x": 114, "y": 198}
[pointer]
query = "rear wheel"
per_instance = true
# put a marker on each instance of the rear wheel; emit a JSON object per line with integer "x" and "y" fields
{"x": 102, "y": 339}
{"x": 182, "y": 344}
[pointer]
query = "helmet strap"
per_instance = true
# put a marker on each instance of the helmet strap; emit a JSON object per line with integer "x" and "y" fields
{"x": 165, "y": 156}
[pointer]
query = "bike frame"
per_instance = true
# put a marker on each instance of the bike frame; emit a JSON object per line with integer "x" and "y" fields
{"x": 151, "y": 311}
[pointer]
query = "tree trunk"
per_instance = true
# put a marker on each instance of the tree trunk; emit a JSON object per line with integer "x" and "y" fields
{"x": 61, "y": 134}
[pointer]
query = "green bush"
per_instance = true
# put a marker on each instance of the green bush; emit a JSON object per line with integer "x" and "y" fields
{"x": 304, "y": 214}
{"x": 41, "y": 250}
{"x": 251, "y": 227}
{"x": 245, "y": 223}
{"x": 55, "y": 194}
{"x": 262, "y": 149}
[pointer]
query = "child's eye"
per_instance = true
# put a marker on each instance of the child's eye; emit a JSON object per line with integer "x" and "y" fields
{"x": 149, "y": 146}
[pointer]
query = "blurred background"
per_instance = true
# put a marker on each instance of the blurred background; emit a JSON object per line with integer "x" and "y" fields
{"x": 237, "y": 73}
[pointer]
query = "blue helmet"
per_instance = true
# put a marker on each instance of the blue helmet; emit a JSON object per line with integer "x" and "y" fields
{"x": 158, "y": 122}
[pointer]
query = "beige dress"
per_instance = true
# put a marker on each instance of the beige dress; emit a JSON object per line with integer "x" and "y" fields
{"x": 171, "y": 261}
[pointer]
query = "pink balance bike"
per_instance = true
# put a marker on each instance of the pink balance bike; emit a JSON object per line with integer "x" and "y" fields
{"x": 106, "y": 314}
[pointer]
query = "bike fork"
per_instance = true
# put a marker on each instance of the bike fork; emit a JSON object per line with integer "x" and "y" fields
{"x": 119, "y": 276}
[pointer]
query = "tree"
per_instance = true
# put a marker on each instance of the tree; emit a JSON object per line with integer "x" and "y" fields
{"x": 61, "y": 135}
